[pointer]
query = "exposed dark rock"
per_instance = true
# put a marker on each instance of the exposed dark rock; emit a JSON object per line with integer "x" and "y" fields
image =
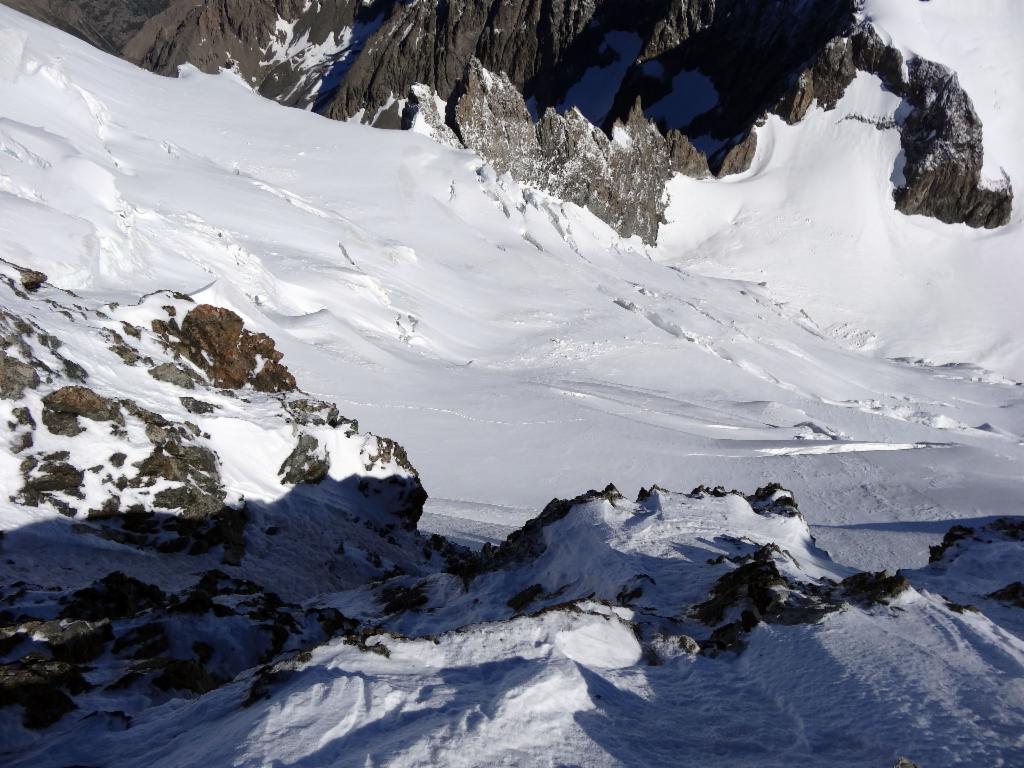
{"x": 686, "y": 158}
{"x": 871, "y": 54}
{"x": 943, "y": 149}
{"x": 216, "y": 341}
{"x": 737, "y": 159}
{"x": 953, "y": 535}
{"x": 1011, "y": 528}
{"x": 42, "y": 687}
{"x": 32, "y": 279}
{"x": 309, "y": 412}
{"x": 178, "y": 459}
{"x": 527, "y": 543}
{"x": 397, "y": 598}
{"x": 399, "y": 55}
{"x": 645, "y": 493}
{"x": 773, "y": 499}
{"x": 186, "y": 675}
{"x": 1013, "y": 594}
{"x": 825, "y": 82}
{"x": 49, "y": 476}
{"x": 619, "y": 178}
{"x": 756, "y": 585}
{"x": 198, "y": 407}
{"x": 307, "y": 463}
{"x": 172, "y": 373}
{"x": 106, "y": 24}
{"x": 115, "y": 596}
{"x": 688, "y": 644}
{"x": 757, "y": 591}
{"x": 191, "y": 501}
{"x": 523, "y": 598}
{"x": 61, "y": 410}
{"x": 15, "y": 377}
{"x": 144, "y": 642}
{"x": 76, "y": 640}
{"x": 875, "y": 588}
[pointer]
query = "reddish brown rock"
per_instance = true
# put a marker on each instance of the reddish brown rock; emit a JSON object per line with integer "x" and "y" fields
{"x": 215, "y": 339}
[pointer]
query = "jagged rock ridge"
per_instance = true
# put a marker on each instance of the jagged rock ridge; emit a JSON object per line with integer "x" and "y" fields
{"x": 384, "y": 62}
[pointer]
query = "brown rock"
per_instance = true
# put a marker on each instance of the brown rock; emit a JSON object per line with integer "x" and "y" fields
{"x": 62, "y": 408}
{"x": 215, "y": 340}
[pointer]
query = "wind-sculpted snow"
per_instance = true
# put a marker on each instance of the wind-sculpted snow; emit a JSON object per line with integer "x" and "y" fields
{"x": 584, "y": 636}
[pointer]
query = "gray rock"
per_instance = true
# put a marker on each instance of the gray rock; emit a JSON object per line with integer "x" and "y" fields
{"x": 620, "y": 179}
{"x": 739, "y": 157}
{"x": 686, "y": 158}
{"x": 15, "y": 377}
{"x": 307, "y": 463}
{"x": 107, "y": 24}
{"x": 172, "y": 373}
{"x": 944, "y": 153}
{"x": 198, "y": 407}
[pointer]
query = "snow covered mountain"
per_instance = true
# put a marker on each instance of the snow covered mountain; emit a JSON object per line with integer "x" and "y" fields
{"x": 206, "y": 299}
{"x": 596, "y": 103}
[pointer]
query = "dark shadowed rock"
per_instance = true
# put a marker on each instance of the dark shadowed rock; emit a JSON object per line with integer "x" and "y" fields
{"x": 115, "y": 596}
{"x": 875, "y": 588}
{"x": 42, "y": 687}
{"x": 1012, "y": 594}
{"x": 76, "y": 640}
{"x": 307, "y": 463}
{"x": 186, "y": 675}
{"x": 107, "y": 24}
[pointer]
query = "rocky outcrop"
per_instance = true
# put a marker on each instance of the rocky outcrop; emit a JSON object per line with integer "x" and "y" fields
{"x": 943, "y": 152}
{"x": 106, "y": 24}
{"x": 939, "y": 171}
{"x": 395, "y": 65}
{"x": 229, "y": 625}
{"x": 215, "y": 340}
{"x": 291, "y": 51}
{"x": 159, "y": 485}
{"x": 620, "y": 178}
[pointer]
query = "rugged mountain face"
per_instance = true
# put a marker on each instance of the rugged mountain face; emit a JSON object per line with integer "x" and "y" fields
{"x": 107, "y": 25}
{"x": 943, "y": 150}
{"x": 565, "y": 82}
{"x": 288, "y": 50}
{"x": 203, "y": 564}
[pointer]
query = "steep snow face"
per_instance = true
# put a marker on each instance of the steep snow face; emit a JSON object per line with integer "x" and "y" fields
{"x": 512, "y": 343}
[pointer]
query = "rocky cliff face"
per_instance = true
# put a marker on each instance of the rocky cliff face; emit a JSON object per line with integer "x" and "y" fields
{"x": 596, "y": 101}
{"x": 105, "y": 24}
{"x": 940, "y": 132}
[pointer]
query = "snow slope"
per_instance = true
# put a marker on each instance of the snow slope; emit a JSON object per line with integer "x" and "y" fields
{"x": 514, "y": 344}
{"x": 576, "y": 678}
{"x": 788, "y": 327}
